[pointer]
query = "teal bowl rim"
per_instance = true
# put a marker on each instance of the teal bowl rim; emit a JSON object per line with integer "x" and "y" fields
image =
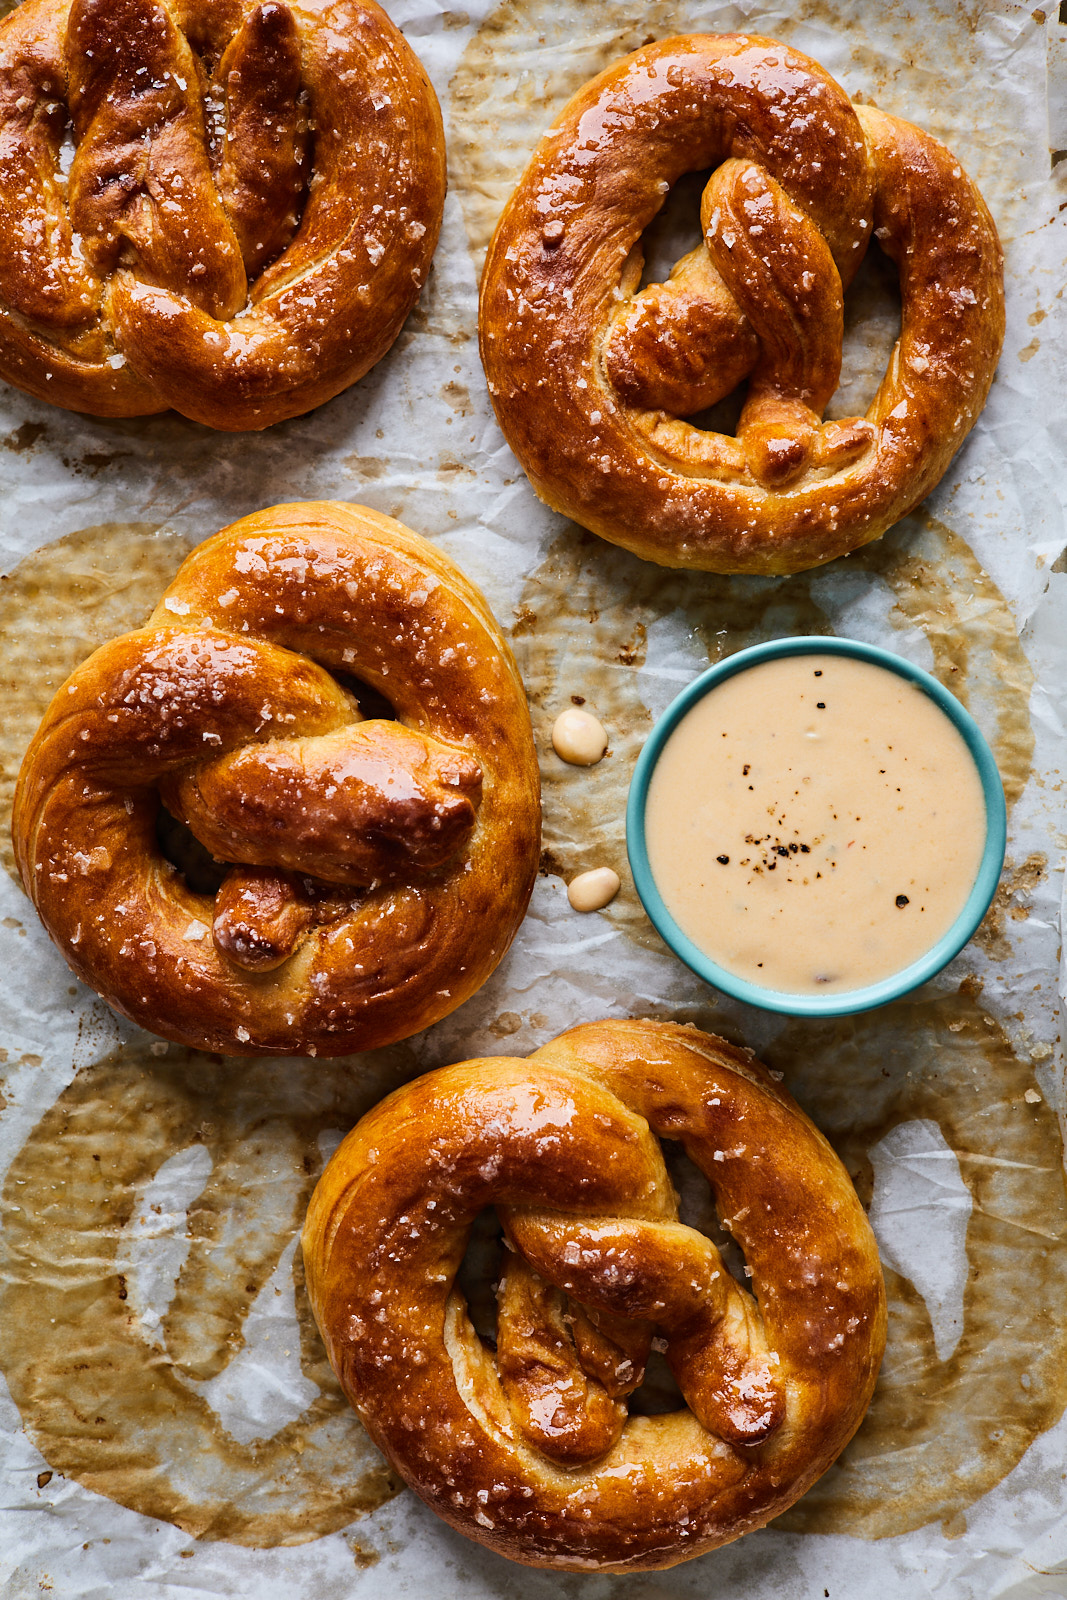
{"x": 900, "y": 983}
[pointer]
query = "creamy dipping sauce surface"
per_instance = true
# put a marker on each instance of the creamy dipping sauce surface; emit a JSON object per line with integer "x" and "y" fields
{"x": 815, "y": 823}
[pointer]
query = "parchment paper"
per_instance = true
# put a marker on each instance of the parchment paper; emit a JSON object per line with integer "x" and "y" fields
{"x": 171, "y": 1427}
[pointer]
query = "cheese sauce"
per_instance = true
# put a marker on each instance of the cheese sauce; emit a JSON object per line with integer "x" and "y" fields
{"x": 815, "y": 823}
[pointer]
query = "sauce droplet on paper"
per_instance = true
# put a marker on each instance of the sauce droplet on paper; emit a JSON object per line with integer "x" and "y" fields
{"x": 578, "y": 737}
{"x": 592, "y": 891}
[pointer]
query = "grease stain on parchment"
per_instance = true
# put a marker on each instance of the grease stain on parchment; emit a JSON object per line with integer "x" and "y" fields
{"x": 530, "y": 56}
{"x": 586, "y": 614}
{"x": 939, "y": 586}
{"x": 58, "y": 605}
{"x": 435, "y": 315}
{"x": 1012, "y": 899}
{"x": 366, "y": 467}
{"x": 111, "y": 1401}
{"x": 940, "y": 1434}
{"x": 22, "y": 440}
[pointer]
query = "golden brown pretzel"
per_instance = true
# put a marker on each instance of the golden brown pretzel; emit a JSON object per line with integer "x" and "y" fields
{"x": 379, "y": 869}
{"x": 224, "y": 206}
{"x": 531, "y": 1452}
{"x": 591, "y": 379}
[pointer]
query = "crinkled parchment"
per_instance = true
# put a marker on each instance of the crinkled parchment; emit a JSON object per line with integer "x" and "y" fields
{"x": 172, "y": 1426}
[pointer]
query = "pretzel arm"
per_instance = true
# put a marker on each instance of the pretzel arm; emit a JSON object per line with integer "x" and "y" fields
{"x": 261, "y": 917}
{"x": 265, "y": 159}
{"x": 368, "y": 802}
{"x": 727, "y": 1372}
{"x": 612, "y": 1349}
{"x": 332, "y": 303}
{"x": 560, "y": 1409}
{"x": 52, "y": 336}
{"x": 674, "y": 1277}
{"x": 682, "y": 345}
{"x": 41, "y": 273}
{"x": 785, "y": 279}
{"x": 141, "y": 190}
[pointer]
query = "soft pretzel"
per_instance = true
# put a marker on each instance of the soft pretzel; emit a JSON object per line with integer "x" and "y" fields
{"x": 530, "y": 1451}
{"x": 222, "y": 206}
{"x": 592, "y": 378}
{"x": 378, "y": 869}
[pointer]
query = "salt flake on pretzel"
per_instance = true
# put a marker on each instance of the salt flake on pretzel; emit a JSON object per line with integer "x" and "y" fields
{"x": 222, "y": 206}
{"x": 376, "y": 870}
{"x": 592, "y": 378}
{"x": 530, "y": 1449}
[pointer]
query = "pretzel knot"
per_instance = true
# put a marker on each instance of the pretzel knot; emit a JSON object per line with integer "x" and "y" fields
{"x": 530, "y": 1449}
{"x": 220, "y": 206}
{"x": 376, "y": 870}
{"x": 593, "y": 377}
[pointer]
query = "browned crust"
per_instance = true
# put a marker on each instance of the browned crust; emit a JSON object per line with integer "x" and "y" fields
{"x": 561, "y": 276}
{"x": 566, "y": 1136}
{"x": 122, "y": 286}
{"x": 238, "y": 656}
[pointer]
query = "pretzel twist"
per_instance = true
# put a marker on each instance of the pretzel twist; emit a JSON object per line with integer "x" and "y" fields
{"x": 592, "y": 377}
{"x": 222, "y": 206}
{"x": 377, "y": 870}
{"x": 531, "y": 1451}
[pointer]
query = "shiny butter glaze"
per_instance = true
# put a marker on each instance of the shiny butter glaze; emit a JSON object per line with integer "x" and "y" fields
{"x": 377, "y": 870}
{"x": 592, "y": 377}
{"x": 224, "y": 208}
{"x": 530, "y": 1450}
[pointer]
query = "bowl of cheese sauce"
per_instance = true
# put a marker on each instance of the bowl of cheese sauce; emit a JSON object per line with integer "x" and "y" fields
{"x": 816, "y": 826}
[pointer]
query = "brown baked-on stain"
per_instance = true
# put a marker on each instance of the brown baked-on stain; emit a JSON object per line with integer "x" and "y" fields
{"x": 451, "y": 470}
{"x": 582, "y": 626}
{"x": 501, "y": 92}
{"x": 939, "y": 1434}
{"x": 104, "y": 1403}
{"x": 458, "y": 397}
{"x": 24, "y": 437}
{"x": 437, "y": 315}
{"x": 366, "y": 467}
{"x": 96, "y": 461}
{"x": 56, "y": 607}
{"x": 109, "y": 1407}
{"x": 1012, "y": 898}
{"x": 940, "y": 587}
{"x": 529, "y": 56}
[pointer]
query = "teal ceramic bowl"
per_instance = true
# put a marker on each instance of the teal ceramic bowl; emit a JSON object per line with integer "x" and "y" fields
{"x": 841, "y": 1003}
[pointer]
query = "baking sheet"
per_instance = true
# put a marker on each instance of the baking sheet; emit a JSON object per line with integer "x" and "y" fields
{"x": 170, "y": 1424}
